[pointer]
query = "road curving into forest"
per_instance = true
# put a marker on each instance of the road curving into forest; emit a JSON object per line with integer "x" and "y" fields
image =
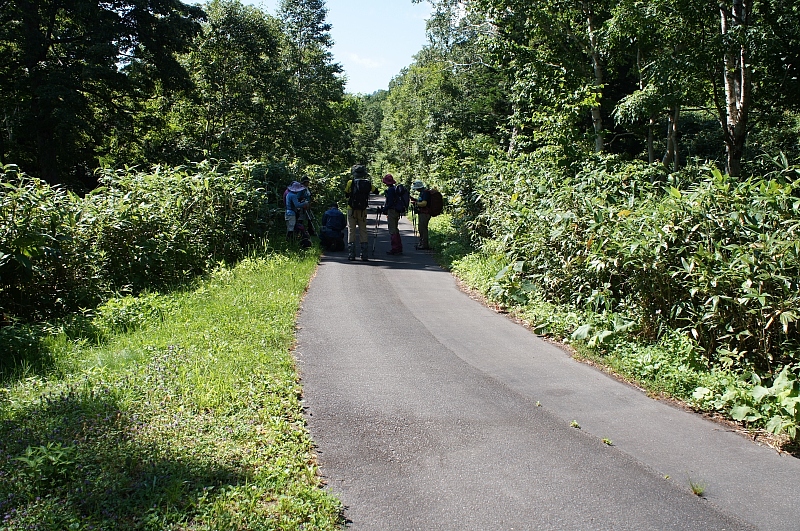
{"x": 431, "y": 411}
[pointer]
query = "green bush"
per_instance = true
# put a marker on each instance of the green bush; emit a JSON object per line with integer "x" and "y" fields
{"x": 631, "y": 251}
{"x": 139, "y": 230}
{"x": 47, "y": 264}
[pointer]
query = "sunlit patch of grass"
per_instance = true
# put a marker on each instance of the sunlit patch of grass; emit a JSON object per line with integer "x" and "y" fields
{"x": 188, "y": 421}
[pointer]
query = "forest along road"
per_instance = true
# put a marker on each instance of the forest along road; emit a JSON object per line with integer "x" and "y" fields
{"x": 430, "y": 411}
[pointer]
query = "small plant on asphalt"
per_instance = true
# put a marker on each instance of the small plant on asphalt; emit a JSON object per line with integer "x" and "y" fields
{"x": 698, "y": 488}
{"x": 575, "y": 424}
{"x": 608, "y": 442}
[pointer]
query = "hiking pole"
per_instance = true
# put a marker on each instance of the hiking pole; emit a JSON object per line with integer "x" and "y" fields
{"x": 313, "y": 220}
{"x": 375, "y": 237}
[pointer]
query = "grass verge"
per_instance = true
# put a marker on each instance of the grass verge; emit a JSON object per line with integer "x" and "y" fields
{"x": 185, "y": 415}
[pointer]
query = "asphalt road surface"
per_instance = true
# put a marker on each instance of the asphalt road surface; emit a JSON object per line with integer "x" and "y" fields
{"x": 432, "y": 412}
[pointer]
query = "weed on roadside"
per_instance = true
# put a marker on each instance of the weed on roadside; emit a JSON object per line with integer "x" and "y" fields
{"x": 190, "y": 420}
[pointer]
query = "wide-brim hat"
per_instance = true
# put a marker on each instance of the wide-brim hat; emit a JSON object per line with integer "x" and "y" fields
{"x": 296, "y": 187}
{"x": 389, "y": 180}
{"x": 418, "y": 185}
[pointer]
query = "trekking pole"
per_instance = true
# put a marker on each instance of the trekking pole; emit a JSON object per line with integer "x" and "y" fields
{"x": 313, "y": 220}
{"x": 375, "y": 236}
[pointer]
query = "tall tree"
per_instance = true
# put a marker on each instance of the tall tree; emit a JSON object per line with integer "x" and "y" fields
{"x": 69, "y": 64}
{"x": 316, "y": 87}
{"x": 552, "y": 51}
{"x": 238, "y": 109}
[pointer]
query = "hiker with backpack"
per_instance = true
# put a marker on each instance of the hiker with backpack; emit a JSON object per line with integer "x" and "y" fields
{"x": 357, "y": 190}
{"x": 429, "y": 204}
{"x": 421, "y": 206}
{"x": 396, "y": 204}
{"x": 295, "y": 204}
{"x": 332, "y": 232}
{"x": 306, "y": 216}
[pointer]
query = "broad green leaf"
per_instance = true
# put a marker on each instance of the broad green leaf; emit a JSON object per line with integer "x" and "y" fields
{"x": 740, "y": 412}
{"x": 759, "y": 392}
{"x": 582, "y": 332}
{"x": 701, "y": 392}
{"x": 775, "y": 424}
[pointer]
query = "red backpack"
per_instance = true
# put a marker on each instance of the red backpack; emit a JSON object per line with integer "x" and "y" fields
{"x": 435, "y": 203}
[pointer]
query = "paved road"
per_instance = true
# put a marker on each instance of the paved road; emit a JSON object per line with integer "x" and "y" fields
{"x": 432, "y": 412}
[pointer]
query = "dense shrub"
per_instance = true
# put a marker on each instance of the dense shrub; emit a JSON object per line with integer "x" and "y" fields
{"x": 694, "y": 251}
{"x": 637, "y": 250}
{"x": 140, "y": 230}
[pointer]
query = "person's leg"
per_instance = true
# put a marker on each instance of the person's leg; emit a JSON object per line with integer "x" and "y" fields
{"x": 290, "y": 223}
{"x": 325, "y": 239}
{"x": 351, "y": 234}
{"x": 361, "y": 218}
{"x": 423, "y": 231}
{"x": 393, "y": 220}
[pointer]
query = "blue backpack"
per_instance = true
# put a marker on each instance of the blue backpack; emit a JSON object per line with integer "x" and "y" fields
{"x": 402, "y": 198}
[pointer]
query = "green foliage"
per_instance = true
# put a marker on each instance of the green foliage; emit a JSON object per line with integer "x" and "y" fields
{"x": 194, "y": 422}
{"x": 772, "y": 403}
{"x": 141, "y": 230}
{"x": 129, "y": 313}
{"x": 44, "y": 467}
{"x": 684, "y": 282}
{"x": 74, "y": 70}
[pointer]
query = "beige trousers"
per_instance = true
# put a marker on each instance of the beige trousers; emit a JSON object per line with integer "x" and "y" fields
{"x": 356, "y": 218}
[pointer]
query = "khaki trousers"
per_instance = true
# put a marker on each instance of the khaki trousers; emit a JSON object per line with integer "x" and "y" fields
{"x": 393, "y": 221}
{"x": 356, "y": 218}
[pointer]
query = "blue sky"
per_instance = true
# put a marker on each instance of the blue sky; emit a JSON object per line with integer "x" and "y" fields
{"x": 373, "y": 39}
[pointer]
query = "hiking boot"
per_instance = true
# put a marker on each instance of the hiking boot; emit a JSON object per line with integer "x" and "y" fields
{"x": 364, "y": 253}
{"x": 351, "y": 251}
{"x": 397, "y": 245}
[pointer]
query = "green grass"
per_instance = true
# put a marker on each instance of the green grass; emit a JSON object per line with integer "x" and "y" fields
{"x": 174, "y": 412}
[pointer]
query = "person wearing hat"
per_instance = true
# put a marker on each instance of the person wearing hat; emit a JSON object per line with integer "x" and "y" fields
{"x": 421, "y": 204}
{"x": 392, "y": 215}
{"x": 357, "y": 190}
{"x": 306, "y": 216}
{"x": 295, "y": 204}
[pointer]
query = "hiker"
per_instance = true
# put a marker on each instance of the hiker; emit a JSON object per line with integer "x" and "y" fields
{"x": 307, "y": 217}
{"x": 357, "y": 191}
{"x": 294, "y": 205}
{"x": 421, "y": 206}
{"x": 393, "y": 208}
{"x": 332, "y": 232}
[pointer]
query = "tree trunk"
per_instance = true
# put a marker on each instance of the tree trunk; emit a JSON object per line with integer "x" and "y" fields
{"x": 671, "y": 156}
{"x": 651, "y": 152}
{"x": 45, "y": 144}
{"x": 597, "y": 65}
{"x": 737, "y": 81}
